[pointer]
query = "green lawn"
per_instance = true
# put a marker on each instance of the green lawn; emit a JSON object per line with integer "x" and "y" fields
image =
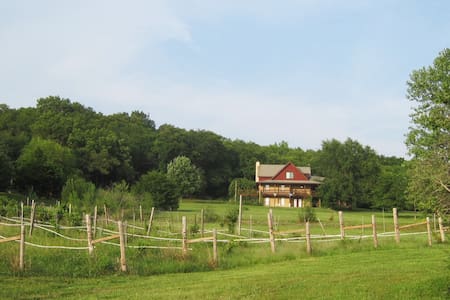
{"x": 288, "y": 218}
{"x": 396, "y": 273}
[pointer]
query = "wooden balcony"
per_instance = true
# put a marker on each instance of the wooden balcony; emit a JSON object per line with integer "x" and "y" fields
{"x": 287, "y": 192}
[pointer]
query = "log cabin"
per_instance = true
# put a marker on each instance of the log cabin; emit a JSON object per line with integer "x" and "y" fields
{"x": 286, "y": 185}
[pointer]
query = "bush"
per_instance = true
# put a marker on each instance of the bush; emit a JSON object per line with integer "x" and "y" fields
{"x": 79, "y": 192}
{"x": 74, "y": 219}
{"x": 210, "y": 215}
{"x": 163, "y": 190}
{"x": 8, "y": 207}
{"x": 231, "y": 218}
{"x": 195, "y": 228}
{"x": 307, "y": 214}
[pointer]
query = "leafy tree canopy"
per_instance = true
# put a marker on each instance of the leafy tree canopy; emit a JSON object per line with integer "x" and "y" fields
{"x": 351, "y": 172}
{"x": 428, "y": 139}
{"x": 59, "y": 138}
{"x": 162, "y": 190}
{"x": 44, "y": 166}
{"x": 187, "y": 176}
{"x": 242, "y": 186}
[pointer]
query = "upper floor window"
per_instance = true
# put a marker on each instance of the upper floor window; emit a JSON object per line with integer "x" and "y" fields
{"x": 289, "y": 175}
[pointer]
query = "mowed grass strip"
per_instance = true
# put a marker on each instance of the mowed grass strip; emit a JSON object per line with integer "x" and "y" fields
{"x": 402, "y": 273}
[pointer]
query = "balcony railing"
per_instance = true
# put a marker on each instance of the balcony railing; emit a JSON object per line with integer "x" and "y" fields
{"x": 287, "y": 192}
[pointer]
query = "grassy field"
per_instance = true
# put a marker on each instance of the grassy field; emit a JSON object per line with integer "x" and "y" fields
{"x": 396, "y": 273}
{"x": 350, "y": 269}
{"x": 327, "y": 220}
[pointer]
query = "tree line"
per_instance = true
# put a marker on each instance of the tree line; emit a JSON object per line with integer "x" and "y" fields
{"x": 63, "y": 149}
{"x": 48, "y": 148}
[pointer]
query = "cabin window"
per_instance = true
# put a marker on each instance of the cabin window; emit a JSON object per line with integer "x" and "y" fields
{"x": 289, "y": 175}
{"x": 282, "y": 187}
{"x": 267, "y": 187}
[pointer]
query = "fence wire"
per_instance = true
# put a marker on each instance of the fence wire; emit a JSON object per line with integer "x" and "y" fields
{"x": 232, "y": 238}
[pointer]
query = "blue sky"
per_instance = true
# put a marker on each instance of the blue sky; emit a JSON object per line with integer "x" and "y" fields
{"x": 261, "y": 71}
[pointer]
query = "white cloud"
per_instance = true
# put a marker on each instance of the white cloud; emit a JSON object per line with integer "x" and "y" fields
{"x": 82, "y": 48}
{"x": 110, "y": 55}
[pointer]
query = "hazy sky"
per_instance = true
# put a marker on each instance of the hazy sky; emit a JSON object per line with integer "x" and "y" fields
{"x": 261, "y": 71}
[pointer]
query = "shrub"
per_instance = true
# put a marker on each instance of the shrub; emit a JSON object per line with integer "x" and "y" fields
{"x": 195, "y": 228}
{"x": 8, "y": 207}
{"x": 231, "y": 218}
{"x": 307, "y": 214}
{"x": 163, "y": 190}
{"x": 210, "y": 215}
{"x": 79, "y": 192}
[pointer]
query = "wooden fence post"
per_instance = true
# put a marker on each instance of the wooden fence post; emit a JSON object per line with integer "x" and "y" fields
{"x": 374, "y": 232}
{"x": 308, "y": 238}
{"x": 89, "y": 234}
{"x": 184, "y": 235}
{"x": 429, "y": 231}
{"x": 125, "y": 229}
{"x": 123, "y": 261}
{"x": 362, "y": 226}
{"x": 105, "y": 211}
{"x": 215, "y": 256}
{"x": 95, "y": 220}
{"x": 140, "y": 214}
{"x": 150, "y": 221}
{"x": 321, "y": 226}
{"x": 22, "y": 248}
{"x": 202, "y": 225}
{"x": 441, "y": 230}
{"x": 33, "y": 208}
{"x": 240, "y": 215}
{"x": 396, "y": 225}
{"x": 434, "y": 222}
{"x": 271, "y": 235}
{"x": 341, "y": 224}
{"x": 251, "y": 226}
{"x": 21, "y": 212}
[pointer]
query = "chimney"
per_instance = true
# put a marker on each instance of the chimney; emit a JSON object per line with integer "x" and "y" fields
{"x": 257, "y": 172}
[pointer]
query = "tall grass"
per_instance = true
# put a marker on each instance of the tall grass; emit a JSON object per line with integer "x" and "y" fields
{"x": 77, "y": 263}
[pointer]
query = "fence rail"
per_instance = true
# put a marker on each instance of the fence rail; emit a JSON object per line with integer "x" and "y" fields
{"x": 298, "y": 235}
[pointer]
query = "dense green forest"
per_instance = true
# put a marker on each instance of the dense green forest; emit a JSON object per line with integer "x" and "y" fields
{"x": 65, "y": 151}
{"x": 48, "y": 149}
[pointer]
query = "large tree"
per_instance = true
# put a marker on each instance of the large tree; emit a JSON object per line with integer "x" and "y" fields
{"x": 391, "y": 185}
{"x": 158, "y": 189}
{"x": 57, "y": 118}
{"x": 351, "y": 172}
{"x": 428, "y": 139}
{"x": 44, "y": 166}
{"x": 138, "y": 132}
{"x": 187, "y": 176}
{"x": 6, "y": 167}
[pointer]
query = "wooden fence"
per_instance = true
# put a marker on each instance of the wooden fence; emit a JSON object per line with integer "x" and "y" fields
{"x": 273, "y": 236}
